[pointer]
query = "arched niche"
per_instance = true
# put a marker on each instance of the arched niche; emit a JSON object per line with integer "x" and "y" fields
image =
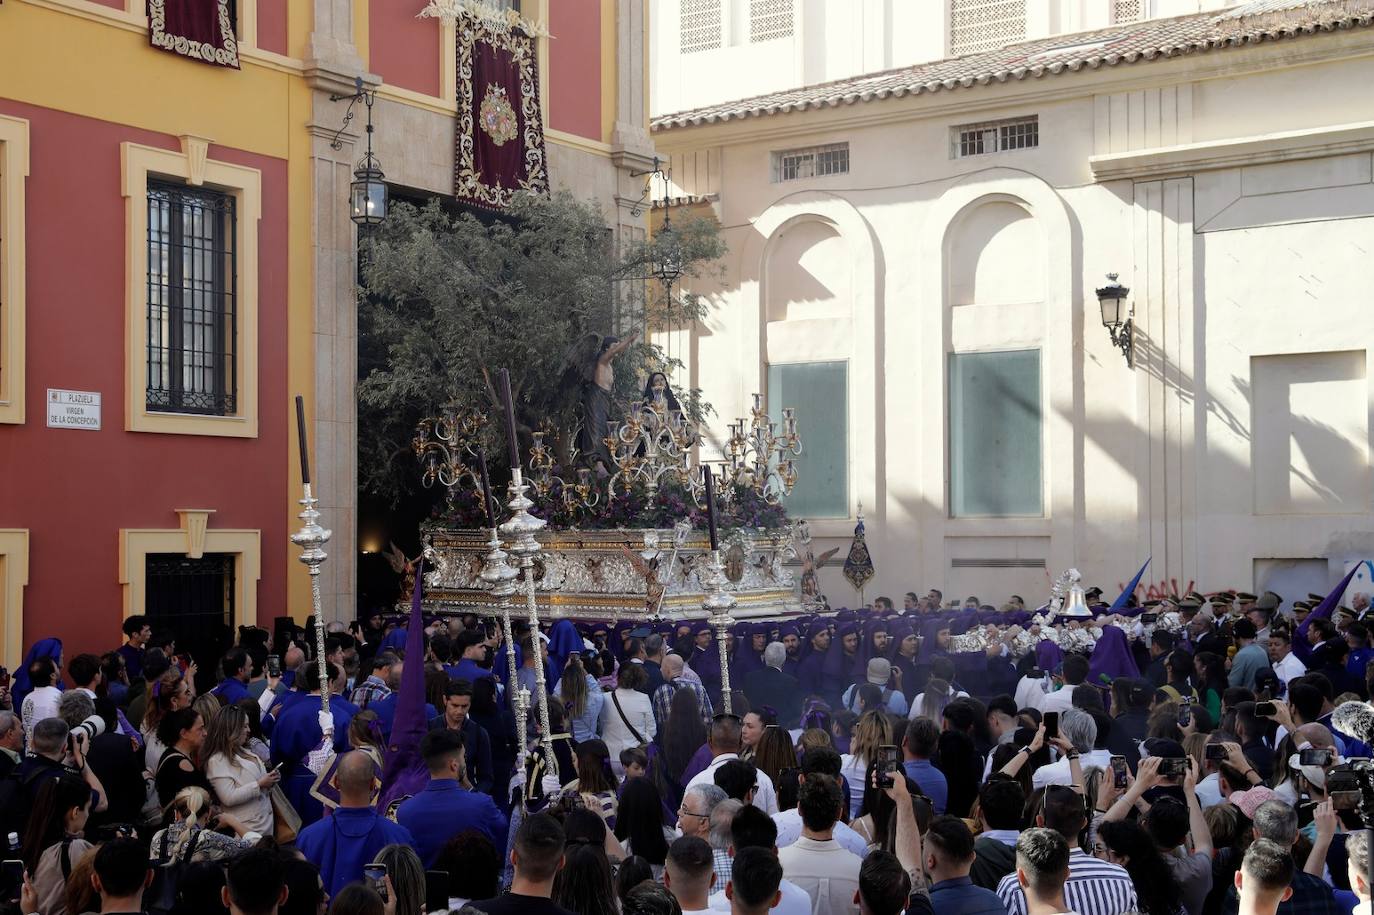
{"x": 808, "y": 272}
{"x": 996, "y": 255}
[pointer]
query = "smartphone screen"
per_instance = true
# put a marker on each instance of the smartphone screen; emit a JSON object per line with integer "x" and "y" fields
{"x": 273, "y": 665}
{"x": 1264, "y": 709}
{"x": 1185, "y": 715}
{"x": 1051, "y": 722}
{"x": 1148, "y": 618}
{"x": 1215, "y": 752}
{"x": 11, "y": 878}
{"x": 1119, "y": 771}
{"x": 374, "y": 875}
{"x": 436, "y": 890}
{"x": 1345, "y": 800}
{"x": 1313, "y": 756}
{"x": 889, "y": 761}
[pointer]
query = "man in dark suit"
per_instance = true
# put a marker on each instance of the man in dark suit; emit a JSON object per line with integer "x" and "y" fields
{"x": 11, "y": 743}
{"x": 770, "y": 686}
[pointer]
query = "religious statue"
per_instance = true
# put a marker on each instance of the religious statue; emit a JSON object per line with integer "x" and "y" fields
{"x": 590, "y": 362}
{"x": 811, "y": 564}
{"x": 648, "y": 569}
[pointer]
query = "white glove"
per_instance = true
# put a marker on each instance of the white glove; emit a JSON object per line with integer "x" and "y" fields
{"x": 517, "y": 782}
{"x": 550, "y": 785}
{"x": 326, "y": 722}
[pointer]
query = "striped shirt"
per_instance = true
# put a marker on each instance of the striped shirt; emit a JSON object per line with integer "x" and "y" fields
{"x": 1094, "y": 888}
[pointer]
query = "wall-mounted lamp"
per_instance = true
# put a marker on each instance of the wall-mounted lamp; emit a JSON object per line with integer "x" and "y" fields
{"x": 368, "y": 192}
{"x": 1115, "y": 315}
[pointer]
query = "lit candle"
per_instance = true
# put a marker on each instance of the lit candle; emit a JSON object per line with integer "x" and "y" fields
{"x": 487, "y": 499}
{"x": 503, "y": 376}
{"x": 300, "y": 432}
{"x": 711, "y": 506}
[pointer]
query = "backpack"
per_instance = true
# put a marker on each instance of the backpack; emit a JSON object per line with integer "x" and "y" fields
{"x": 161, "y": 895}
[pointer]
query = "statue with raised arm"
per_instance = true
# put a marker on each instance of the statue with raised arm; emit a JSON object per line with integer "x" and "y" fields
{"x": 591, "y": 361}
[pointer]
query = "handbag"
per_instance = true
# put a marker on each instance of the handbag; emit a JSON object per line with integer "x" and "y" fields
{"x": 286, "y": 822}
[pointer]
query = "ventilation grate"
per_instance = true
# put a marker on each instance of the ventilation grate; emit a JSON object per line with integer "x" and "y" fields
{"x": 982, "y": 25}
{"x": 997, "y": 563}
{"x": 1127, "y": 10}
{"x": 769, "y": 19}
{"x": 700, "y": 25}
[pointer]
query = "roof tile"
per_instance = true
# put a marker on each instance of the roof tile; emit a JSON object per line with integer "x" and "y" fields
{"x": 1249, "y": 23}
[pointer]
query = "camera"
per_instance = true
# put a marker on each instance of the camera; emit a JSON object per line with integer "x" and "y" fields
{"x": 1351, "y": 789}
{"x": 85, "y": 732}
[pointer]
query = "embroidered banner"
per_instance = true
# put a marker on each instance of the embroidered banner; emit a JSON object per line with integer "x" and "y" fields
{"x": 500, "y": 133}
{"x": 199, "y": 29}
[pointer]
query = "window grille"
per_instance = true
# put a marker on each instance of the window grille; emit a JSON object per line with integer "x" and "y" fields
{"x": 192, "y": 294}
{"x": 811, "y": 162}
{"x": 1127, "y": 10}
{"x": 700, "y": 25}
{"x": 982, "y": 25}
{"x": 769, "y": 19}
{"x": 194, "y": 600}
{"x": 995, "y": 136}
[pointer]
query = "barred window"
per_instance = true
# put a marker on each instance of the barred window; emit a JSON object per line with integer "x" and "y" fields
{"x": 192, "y": 294}
{"x": 995, "y": 136}
{"x": 700, "y": 25}
{"x": 982, "y": 25}
{"x": 811, "y": 162}
{"x": 1127, "y": 10}
{"x": 769, "y": 19}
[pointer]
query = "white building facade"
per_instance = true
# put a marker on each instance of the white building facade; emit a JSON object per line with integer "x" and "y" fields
{"x": 913, "y": 258}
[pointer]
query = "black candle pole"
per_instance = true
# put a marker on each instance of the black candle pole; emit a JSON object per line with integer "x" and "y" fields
{"x": 711, "y": 506}
{"x": 300, "y": 432}
{"x": 487, "y": 499}
{"x": 503, "y": 378}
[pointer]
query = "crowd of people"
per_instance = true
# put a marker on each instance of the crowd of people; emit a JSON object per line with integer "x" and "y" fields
{"x": 1184, "y": 757}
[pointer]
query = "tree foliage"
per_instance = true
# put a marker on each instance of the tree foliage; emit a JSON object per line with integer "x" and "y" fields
{"x": 447, "y": 299}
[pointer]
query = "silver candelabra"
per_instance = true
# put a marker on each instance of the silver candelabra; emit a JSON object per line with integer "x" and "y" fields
{"x": 760, "y": 456}
{"x": 311, "y": 538}
{"x": 521, "y": 531}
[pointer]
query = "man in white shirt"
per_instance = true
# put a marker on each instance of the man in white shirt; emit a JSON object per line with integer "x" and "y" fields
{"x": 1282, "y": 659}
{"x": 751, "y": 828}
{"x": 1073, "y": 672}
{"x": 1079, "y": 729}
{"x": 688, "y": 874}
{"x": 725, "y": 741}
{"x": 825, "y": 870}
{"x": 755, "y": 890}
{"x": 42, "y": 701}
{"x": 824, "y": 761}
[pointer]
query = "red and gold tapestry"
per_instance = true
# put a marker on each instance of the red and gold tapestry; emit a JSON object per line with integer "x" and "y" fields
{"x": 500, "y": 132}
{"x": 199, "y": 29}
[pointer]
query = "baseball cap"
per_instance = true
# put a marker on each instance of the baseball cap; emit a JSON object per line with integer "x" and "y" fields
{"x": 1249, "y": 801}
{"x": 879, "y": 669}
